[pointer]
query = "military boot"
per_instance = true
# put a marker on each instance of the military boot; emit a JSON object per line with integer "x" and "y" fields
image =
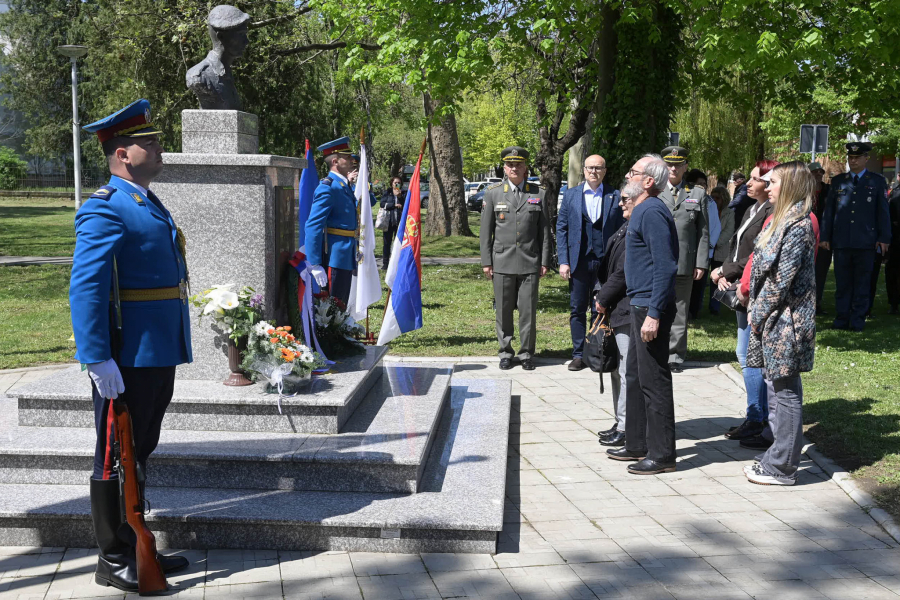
{"x": 116, "y": 565}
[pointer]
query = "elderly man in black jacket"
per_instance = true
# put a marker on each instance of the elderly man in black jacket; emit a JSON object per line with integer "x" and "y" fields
{"x": 610, "y": 302}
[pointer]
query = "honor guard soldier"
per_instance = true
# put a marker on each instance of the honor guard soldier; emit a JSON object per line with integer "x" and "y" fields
{"x": 332, "y": 230}
{"x": 123, "y": 232}
{"x": 515, "y": 253}
{"x": 856, "y": 223}
{"x": 688, "y": 205}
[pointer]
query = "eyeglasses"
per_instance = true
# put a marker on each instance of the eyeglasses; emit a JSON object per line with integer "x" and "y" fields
{"x": 624, "y": 200}
{"x": 595, "y": 169}
{"x": 633, "y": 173}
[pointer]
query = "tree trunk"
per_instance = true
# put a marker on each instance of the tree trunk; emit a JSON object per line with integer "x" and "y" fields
{"x": 606, "y": 59}
{"x": 447, "y": 212}
{"x": 579, "y": 153}
{"x": 396, "y": 164}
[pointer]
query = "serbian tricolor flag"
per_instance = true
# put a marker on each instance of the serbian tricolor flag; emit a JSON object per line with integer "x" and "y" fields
{"x": 404, "y": 273}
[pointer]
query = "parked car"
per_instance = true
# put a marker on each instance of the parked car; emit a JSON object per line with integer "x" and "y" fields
{"x": 423, "y": 194}
{"x": 494, "y": 179}
{"x": 476, "y": 201}
{"x": 473, "y": 188}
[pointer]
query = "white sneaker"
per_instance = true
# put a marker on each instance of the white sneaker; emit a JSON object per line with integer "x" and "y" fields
{"x": 758, "y": 476}
{"x": 749, "y": 468}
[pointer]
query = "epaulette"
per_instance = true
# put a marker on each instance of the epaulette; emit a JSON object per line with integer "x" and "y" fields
{"x": 327, "y": 181}
{"x": 496, "y": 185}
{"x": 531, "y": 188}
{"x": 104, "y": 192}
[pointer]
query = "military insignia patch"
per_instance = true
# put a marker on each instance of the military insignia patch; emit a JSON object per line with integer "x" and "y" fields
{"x": 534, "y": 201}
{"x": 501, "y": 217}
{"x": 137, "y": 198}
{"x": 505, "y": 188}
{"x": 101, "y": 192}
{"x": 691, "y": 200}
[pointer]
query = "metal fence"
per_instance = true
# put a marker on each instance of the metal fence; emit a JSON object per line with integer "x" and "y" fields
{"x": 91, "y": 179}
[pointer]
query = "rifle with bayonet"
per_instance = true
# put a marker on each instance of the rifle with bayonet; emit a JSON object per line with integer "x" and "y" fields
{"x": 151, "y": 578}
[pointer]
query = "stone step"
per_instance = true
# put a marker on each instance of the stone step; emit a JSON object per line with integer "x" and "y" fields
{"x": 64, "y": 400}
{"x": 459, "y": 507}
{"x": 382, "y": 447}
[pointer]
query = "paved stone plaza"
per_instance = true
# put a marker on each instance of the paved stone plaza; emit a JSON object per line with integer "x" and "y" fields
{"x": 577, "y": 525}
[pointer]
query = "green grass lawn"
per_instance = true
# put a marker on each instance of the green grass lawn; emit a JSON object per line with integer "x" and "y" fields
{"x": 34, "y": 313}
{"x": 37, "y": 227}
{"x": 455, "y": 246}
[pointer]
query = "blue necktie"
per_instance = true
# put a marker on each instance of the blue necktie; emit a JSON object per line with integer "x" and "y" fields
{"x": 855, "y": 179}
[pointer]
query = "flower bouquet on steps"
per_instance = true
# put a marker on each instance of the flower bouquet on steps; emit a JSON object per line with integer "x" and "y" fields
{"x": 234, "y": 312}
{"x": 275, "y": 355}
{"x": 337, "y": 331}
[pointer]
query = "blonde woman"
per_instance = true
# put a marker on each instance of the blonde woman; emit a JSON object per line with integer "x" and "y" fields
{"x": 782, "y": 315}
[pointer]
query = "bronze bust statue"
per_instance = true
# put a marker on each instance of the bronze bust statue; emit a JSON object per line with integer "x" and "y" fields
{"x": 211, "y": 79}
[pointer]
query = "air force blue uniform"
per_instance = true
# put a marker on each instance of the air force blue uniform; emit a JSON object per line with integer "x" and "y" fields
{"x": 119, "y": 221}
{"x": 333, "y": 208}
{"x": 856, "y": 217}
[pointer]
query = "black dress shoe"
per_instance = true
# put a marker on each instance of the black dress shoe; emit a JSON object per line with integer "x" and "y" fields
{"x": 616, "y": 439}
{"x": 623, "y": 454}
{"x": 528, "y": 364}
{"x": 608, "y": 432}
{"x": 675, "y": 367}
{"x": 757, "y": 442}
{"x": 505, "y": 364}
{"x": 651, "y": 467}
{"x": 747, "y": 429}
{"x": 172, "y": 564}
{"x": 577, "y": 364}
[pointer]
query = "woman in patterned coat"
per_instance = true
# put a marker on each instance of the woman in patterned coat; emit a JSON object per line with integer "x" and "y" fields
{"x": 782, "y": 315}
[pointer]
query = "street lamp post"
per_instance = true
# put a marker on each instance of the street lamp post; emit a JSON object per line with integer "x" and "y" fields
{"x": 74, "y": 53}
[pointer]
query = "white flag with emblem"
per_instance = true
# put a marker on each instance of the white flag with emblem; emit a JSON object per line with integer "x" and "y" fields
{"x": 365, "y": 289}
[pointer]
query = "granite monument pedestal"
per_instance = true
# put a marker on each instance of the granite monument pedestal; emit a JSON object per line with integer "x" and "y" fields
{"x": 237, "y": 210}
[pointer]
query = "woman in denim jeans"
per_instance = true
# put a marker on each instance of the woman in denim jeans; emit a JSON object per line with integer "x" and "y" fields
{"x": 782, "y": 315}
{"x": 729, "y": 274}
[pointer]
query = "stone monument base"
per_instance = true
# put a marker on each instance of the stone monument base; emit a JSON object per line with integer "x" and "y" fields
{"x": 386, "y": 457}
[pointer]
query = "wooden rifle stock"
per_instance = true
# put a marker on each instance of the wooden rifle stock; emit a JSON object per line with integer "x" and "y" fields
{"x": 150, "y": 574}
{"x": 151, "y": 578}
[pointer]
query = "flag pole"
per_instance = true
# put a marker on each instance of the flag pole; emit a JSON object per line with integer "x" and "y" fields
{"x": 369, "y": 339}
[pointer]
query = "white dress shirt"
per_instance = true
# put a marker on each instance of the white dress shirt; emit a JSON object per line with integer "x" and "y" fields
{"x": 593, "y": 199}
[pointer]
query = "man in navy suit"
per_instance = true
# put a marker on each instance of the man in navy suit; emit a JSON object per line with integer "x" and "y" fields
{"x": 589, "y": 215}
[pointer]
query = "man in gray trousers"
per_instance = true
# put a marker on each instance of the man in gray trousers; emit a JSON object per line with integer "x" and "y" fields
{"x": 515, "y": 253}
{"x": 688, "y": 205}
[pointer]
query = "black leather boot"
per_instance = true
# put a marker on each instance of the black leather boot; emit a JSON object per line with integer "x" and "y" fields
{"x": 116, "y": 565}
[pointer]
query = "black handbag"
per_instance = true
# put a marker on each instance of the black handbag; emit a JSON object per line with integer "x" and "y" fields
{"x": 729, "y": 298}
{"x": 600, "y": 351}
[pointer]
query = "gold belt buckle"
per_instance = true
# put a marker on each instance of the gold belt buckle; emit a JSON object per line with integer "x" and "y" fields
{"x": 182, "y": 291}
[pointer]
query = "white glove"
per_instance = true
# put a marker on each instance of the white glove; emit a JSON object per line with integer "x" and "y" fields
{"x": 319, "y": 275}
{"x": 107, "y": 378}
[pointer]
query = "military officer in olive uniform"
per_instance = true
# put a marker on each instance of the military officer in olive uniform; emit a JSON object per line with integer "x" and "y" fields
{"x": 689, "y": 209}
{"x": 855, "y": 223}
{"x": 515, "y": 253}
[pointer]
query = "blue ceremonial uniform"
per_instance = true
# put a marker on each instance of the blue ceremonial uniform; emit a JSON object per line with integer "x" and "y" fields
{"x": 334, "y": 207}
{"x": 119, "y": 221}
{"x": 856, "y": 217}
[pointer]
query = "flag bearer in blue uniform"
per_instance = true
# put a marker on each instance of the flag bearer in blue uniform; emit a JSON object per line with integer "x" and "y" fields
{"x": 332, "y": 230}
{"x": 123, "y": 228}
{"x": 856, "y": 223}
